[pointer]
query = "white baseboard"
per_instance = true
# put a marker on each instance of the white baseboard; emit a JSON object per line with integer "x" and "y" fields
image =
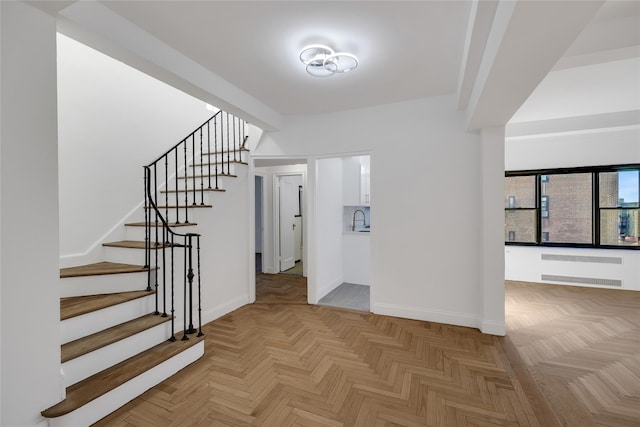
{"x": 418, "y": 313}
{"x": 493, "y": 327}
{"x": 220, "y": 310}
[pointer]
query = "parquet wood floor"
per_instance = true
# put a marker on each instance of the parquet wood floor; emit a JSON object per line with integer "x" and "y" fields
{"x": 281, "y": 289}
{"x": 582, "y": 346}
{"x": 293, "y": 364}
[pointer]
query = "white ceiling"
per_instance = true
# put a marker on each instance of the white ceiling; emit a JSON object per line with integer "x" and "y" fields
{"x": 407, "y": 50}
{"x": 245, "y": 53}
{"x": 598, "y": 75}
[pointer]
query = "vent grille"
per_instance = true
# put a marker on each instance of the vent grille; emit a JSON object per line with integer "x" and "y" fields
{"x": 582, "y": 258}
{"x": 581, "y": 280}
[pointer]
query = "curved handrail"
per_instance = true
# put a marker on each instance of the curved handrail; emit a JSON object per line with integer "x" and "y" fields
{"x": 223, "y": 133}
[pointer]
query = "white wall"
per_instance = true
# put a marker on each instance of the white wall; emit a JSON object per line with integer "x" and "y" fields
{"x": 589, "y": 148}
{"x": 112, "y": 121}
{"x": 426, "y": 189}
{"x": 329, "y": 224}
{"x": 30, "y": 306}
{"x": 225, "y": 231}
{"x": 269, "y": 256}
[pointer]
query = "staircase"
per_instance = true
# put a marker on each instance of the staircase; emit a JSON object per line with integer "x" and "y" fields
{"x": 127, "y": 323}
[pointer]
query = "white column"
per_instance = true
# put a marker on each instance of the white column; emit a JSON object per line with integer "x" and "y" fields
{"x": 492, "y": 241}
{"x": 29, "y": 278}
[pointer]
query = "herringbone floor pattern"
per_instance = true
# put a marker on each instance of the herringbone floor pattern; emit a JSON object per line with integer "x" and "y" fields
{"x": 582, "y": 346}
{"x": 303, "y": 365}
{"x": 281, "y": 289}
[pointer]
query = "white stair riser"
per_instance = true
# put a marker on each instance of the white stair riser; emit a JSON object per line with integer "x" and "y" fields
{"x": 90, "y": 323}
{"x": 211, "y": 158}
{"x": 104, "y": 284}
{"x": 231, "y": 168}
{"x": 188, "y": 183}
{"x": 193, "y": 215}
{"x": 136, "y": 256}
{"x": 124, "y": 255}
{"x": 207, "y": 198}
{"x": 91, "y": 363}
{"x": 138, "y": 233}
{"x": 109, "y": 402}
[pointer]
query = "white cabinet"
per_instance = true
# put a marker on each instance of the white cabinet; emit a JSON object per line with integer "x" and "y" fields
{"x": 351, "y": 181}
{"x": 365, "y": 180}
{"x": 356, "y": 176}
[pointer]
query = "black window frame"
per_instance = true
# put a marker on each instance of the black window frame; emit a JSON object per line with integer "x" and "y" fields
{"x": 595, "y": 195}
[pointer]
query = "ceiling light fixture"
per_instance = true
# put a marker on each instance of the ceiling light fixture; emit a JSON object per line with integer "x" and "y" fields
{"x": 322, "y": 61}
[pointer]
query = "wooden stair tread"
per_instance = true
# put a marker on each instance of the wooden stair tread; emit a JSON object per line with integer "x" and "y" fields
{"x": 190, "y": 190}
{"x": 207, "y": 165}
{"x": 101, "y": 383}
{"x": 159, "y": 224}
{"x": 134, "y": 244}
{"x": 182, "y": 206}
{"x": 229, "y": 175}
{"x": 77, "y": 306}
{"x": 101, "y": 268}
{"x": 236, "y": 150}
{"x": 92, "y": 342}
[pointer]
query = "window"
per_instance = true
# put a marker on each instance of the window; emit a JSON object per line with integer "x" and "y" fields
{"x": 577, "y": 207}
{"x": 520, "y": 209}
{"x": 619, "y": 207}
{"x": 569, "y": 220}
{"x": 544, "y": 207}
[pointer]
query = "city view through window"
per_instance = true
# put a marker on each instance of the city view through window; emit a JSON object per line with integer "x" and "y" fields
{"x": 592, "y": 208}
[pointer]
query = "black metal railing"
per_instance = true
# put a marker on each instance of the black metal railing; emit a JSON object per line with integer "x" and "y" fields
{"x": 179, "y": 179}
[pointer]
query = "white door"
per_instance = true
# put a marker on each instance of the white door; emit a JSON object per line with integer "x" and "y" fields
{"x": 288, "y": 200}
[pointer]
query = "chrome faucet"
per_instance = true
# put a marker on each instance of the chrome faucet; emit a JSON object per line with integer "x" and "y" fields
{"x": 364, "y": 219}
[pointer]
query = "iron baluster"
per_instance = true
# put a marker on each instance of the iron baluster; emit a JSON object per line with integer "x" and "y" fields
{"x": 147, "y": 224}
{"x": 184, "y": 293}
{"x": 173, "y": 310}
{"x": 215, "y": 146}
{"x": 165, "y": 237}
{"x": 235, "y": 142}
{"x": 166, "y": 188}
{"x": 193, "y": 168}
{"x": 201, "y": 172}
{"x": 190, "y": 276}
{"x": 209, "y": 153}
{"x": 186, "y": 187}
{"x": 228, "y": 154}
{"x": 199, "y": 290}
{"x": 155, "y": 188}
{"x": 176, "y": 169}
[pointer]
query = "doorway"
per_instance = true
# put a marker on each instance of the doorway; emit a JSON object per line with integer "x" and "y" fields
{"x": 259, "y": 230}
{"x": 288, "y": 192}
{"x": 293, "y": 171}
